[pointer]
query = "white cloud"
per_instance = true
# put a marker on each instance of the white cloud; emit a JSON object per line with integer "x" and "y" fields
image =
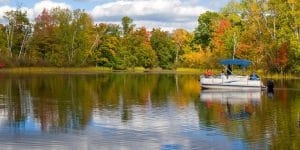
{"x": 171, "y": 8}
{"x": 35, "y": 11}
{"x": 167, "y": 26}
{"x": 40, "y": 6}
{"x": 163, "y": 13}
{"x": 6, "y": 8}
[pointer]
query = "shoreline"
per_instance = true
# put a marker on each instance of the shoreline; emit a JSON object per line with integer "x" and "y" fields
{"x": 93, "y": 70}
{"x": 90, "y": 70}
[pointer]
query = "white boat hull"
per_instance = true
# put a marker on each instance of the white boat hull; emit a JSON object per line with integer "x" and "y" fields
{"x": 230, "y": 82}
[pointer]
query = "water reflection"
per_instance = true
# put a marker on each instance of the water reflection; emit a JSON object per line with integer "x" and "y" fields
{"x": 236, "y": 104}
{"x": 108, "y": 111}
{"x": 231, "y": 97}
{"x": 157, "y": 111}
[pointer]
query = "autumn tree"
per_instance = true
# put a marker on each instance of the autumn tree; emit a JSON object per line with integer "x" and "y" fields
{"x": 82, "y": 29}
{"x": 127, "y": 25}
{"x": 268, "y": 25}
{"x": 105, "y": 47}
{"x": 219, "y": 37}
{"x": 108, "y": 50}
{"x": 182, "y": 39}
{"x": 204, "y": 31}
{"x": 265, "y": 32}
{"x": 162, "y": 43}
{"x": 18, "y": 31}
{"x": 140, "y": 50}
{"x": 280, "y": 61}
{"x": 198, "y": 59}
{"x": 62, "y": 38}
{"x": 43, "y": 39}
{"x": 3, "y": 50}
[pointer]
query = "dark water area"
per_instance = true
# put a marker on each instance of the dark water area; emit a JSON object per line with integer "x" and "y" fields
{"x": 143, "y": 111}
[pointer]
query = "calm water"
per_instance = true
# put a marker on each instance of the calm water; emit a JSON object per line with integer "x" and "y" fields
{"x": 143, "y": 111}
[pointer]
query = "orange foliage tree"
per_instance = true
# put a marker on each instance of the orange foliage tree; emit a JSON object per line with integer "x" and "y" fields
{"x": 281, "y": 58}
{"x": 219, "y": 49}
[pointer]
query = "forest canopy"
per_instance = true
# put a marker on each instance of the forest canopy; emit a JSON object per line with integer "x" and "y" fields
{"x": 264, "y": 32}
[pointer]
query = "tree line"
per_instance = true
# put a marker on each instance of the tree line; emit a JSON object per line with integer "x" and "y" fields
{"x": 265, "y": 32}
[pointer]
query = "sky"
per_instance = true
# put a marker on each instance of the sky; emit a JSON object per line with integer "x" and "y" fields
{"x": 165, "y": 14}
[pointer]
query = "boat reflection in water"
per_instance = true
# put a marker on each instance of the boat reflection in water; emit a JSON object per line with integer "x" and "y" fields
{"x": 235, "y": 104}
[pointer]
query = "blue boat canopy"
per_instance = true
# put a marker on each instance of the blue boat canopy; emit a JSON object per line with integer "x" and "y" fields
{"x": 241, "y": 62}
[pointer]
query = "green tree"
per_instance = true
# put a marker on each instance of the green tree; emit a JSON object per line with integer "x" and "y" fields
{"x": 43, "y": 40}
{"x": 105, "y": 48}
{"x": 108, "y": 50}
{"x": 82, "y": 33}
{"x": 60, "y": 53}
{"x": 269, "y": 25}
{"x": 67, "y": 37}
{"x": 232, "y": 35}
{"x": 18, "y": 31}
{"x": 204, "y": 31}
{"x": 3, "y": 50}
{"x": 162, "y": 43}
{"x": 140, "y": 50}
{"x": 127, "y": 25}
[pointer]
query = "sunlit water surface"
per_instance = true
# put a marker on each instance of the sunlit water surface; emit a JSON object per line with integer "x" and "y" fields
{"x": 143, "y": 111}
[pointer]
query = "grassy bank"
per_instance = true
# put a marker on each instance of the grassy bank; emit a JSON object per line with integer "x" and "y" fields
{"x": 84, "y": 70}
{"x": 281, "y": 76}
{"x": 52, "y": 70}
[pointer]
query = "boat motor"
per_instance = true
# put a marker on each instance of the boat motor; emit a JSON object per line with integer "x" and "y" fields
{"x": 270, "y": 86}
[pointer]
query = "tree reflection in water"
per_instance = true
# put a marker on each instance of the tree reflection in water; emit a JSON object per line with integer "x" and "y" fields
{"x": 58, "y": 103}
{"x": 68, "y": 103}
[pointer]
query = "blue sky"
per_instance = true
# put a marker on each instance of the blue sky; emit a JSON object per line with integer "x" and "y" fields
{"x": 165, "y": 14}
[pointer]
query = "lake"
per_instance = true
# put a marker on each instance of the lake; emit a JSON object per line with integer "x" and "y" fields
{"x": 143, "y": 111}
